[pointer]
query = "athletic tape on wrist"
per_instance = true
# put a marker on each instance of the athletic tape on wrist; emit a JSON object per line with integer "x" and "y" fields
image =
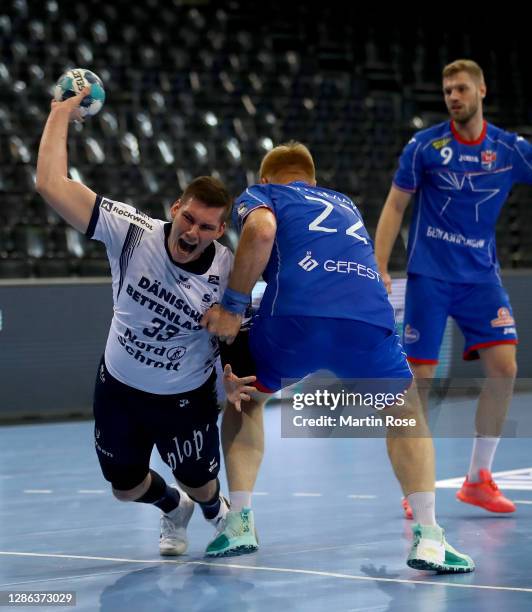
{"x": 235, "y": 302}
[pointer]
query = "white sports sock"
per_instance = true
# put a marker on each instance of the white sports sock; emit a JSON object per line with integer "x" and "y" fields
{"x": 484, "y": 448}
{"x": 423, "y": 507}
{"x": 239, "y": 500}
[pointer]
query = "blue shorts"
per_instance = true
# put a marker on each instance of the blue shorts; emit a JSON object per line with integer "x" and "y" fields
{"x": 482, "y": 311}
{"x": 293, "y": 347}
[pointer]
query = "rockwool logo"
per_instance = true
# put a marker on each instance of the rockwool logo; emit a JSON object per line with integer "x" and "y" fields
{"x": 307, "y": 263}
{"x": 137, "y": 218}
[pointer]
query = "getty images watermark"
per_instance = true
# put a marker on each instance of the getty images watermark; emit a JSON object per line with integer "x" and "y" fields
{"x": 325, "y": 407}
{"x": 323, "y": 398}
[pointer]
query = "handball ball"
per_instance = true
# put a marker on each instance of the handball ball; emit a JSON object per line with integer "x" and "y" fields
{"x": 73, "y": 81}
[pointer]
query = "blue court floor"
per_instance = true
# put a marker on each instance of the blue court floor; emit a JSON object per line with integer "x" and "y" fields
{"x": 329, "y": 520}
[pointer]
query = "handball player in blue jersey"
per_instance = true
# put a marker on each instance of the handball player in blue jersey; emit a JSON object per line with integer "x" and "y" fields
{"x": 460, "y": 173}
{"x": 325, "y": 307}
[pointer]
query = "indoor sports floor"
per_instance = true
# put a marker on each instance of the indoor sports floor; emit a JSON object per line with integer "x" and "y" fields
{"x": 328, "y": 515}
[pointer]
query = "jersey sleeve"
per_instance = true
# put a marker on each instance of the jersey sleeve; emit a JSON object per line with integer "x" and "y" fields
{"x": 257, "y": 196}
{"x": 111, "y": 221}
{"x": 522, "y": 162}
{"x": 226, "y": 265}
{"x": 408, "y": 174}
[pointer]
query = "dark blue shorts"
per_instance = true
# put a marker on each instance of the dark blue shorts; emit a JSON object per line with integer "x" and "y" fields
{"x": 290, "y": 348}
{"x": 482, "y": 311}
{"x": 128, "y": 423}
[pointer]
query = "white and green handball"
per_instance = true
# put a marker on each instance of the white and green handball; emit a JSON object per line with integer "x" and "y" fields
{"x": 73, "y": 81}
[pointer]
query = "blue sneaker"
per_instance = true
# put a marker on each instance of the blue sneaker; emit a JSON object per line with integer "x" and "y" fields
{"x": 431, "y": 552}
{"x": 236, "y": 535}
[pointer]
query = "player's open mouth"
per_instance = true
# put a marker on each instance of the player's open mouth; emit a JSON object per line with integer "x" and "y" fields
{"x": 185, "y": 246}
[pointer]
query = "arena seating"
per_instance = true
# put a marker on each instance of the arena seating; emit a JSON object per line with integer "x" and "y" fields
{"x": 208, "y": 87}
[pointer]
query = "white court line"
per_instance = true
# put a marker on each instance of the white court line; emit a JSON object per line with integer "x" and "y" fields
{"x": 306, "y": 494}
{"x": 509, "y": 480}
{"x": 38, "y": 491}
{"x": 286, "y": 570}
{"x": 259, "y": 493}
{"x": 63, "y": 578}
{"x": 314, "y": 550}
{"x": 522, "y": 501}
{"x": 362, "y": 496}
{"x": 372, "y": 609}
{"x": 87, "y": 558}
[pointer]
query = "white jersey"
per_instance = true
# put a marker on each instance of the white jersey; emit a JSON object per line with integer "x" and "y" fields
{"x": 155, "y": 342}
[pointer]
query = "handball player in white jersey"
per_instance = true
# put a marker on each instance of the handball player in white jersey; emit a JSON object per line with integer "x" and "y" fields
{"x": 156, "y": 383}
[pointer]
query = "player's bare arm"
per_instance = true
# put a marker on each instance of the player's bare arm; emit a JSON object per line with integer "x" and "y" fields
{"x": 254, "y": 250}
{"x": 252, "y": 255}
{"x": 72, "y": 200}
{"x": 388, "y": 230}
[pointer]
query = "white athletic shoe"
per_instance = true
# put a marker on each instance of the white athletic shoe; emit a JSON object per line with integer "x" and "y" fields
{"x": 173, "y": 539}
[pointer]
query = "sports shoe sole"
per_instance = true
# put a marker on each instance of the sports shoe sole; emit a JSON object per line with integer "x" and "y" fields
{"x": 234, "y": 551}
{"x": 243, "y": 549}
{"x": 172, "y": 552}
{"x": 421, "y": 564}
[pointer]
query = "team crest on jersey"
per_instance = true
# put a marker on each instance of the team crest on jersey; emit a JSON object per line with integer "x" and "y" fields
{"x": 411, "y": 335}
{"x": 176, "y": 352}
{"x": 504, "y": 318}
{"x": 242, "y": 210}
{"x": 488, "y": 159}
{"x": 439, "y": 144}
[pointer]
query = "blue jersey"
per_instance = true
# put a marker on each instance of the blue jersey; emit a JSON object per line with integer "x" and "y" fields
{"x": 460, "y": 188}
{"x": 322, "y": 262}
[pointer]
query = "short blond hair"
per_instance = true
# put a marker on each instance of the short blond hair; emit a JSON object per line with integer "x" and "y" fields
{"x": 464, "y": 65}
{"x": 289, "y": 157}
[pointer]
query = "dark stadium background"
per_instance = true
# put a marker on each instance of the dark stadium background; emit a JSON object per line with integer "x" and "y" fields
{"x": 207, "y": 87}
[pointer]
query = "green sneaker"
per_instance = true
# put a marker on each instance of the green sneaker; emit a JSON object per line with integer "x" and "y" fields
{"x": 236, "y": 535}
{"x": 431, "y": 552}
